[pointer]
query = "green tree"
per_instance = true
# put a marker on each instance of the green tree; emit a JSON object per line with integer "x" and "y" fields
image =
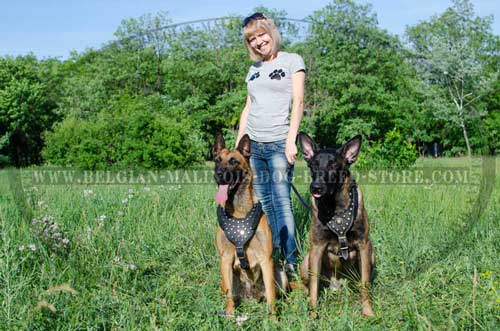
{"x": 358, "y": 80}
{"x": 28, "y": 97}
{"x": 492, "y": 120}
{"x": 148, "y": 32}
{"x": 450, "y": 53}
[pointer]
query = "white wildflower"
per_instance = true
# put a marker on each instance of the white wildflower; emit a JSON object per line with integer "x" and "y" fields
{"x": 21, "y": 248}
{"x": 32, "y": 247}
{"x": 132, "y": 267}
{"x": 88, "y": 193}
{"x": 102, "y": 218}
{"x": 241, "y": 319}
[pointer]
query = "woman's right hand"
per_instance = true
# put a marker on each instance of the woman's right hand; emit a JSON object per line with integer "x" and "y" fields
{"x": 243, "y": 120}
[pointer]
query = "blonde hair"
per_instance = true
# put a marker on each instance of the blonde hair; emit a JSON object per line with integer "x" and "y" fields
{"x": 270, "y": 28}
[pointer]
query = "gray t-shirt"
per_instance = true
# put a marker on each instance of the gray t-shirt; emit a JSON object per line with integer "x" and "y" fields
{"x": 269, "y": 86}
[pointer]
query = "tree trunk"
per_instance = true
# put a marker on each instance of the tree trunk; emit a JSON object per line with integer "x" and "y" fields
{"x": 466, "y": 137}
{"x": 159, "y": 82}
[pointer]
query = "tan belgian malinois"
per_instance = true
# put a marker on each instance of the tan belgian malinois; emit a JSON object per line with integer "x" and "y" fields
{"x": 339, "y": 228}
{"x": 244, "y": 239}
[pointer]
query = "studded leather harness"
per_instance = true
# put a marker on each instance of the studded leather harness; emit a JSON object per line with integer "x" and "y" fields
{"x": 240, "y": 230}
{"x": 342, "y": 220}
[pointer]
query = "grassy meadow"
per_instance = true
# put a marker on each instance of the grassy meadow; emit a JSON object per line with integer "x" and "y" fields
{"x": 139, "y": 257}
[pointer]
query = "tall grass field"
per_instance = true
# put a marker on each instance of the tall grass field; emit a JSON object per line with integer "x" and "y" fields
{"x": 143, "y": 257}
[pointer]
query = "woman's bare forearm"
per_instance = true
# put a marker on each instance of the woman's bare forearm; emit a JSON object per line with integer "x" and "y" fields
{"x": 243, "y": 120}
{"x": 297, "y": 105}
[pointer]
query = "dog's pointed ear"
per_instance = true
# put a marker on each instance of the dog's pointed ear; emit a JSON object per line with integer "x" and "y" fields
{"x": 308, "y": 146}
{"x": 351, "y": 149}
{"x": 220, "y": 144}
{"x": 244, "y": 146}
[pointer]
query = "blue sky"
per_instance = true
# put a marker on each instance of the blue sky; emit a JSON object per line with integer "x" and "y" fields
{"x": 56, "y": 27}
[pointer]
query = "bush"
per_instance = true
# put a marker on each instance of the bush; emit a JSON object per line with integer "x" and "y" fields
{"x": 394, "y": 152}
{"x": 134, "y": 133}
{"x": 493, "y": 131}
{"x": 4, "y": 161}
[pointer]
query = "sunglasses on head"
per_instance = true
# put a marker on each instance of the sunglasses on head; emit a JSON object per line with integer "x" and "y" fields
{"x": 256, "y": 16}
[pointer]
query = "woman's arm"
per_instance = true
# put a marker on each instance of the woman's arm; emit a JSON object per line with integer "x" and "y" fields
{"x": 296, "y": 116}
{"x": 243, "y": 120}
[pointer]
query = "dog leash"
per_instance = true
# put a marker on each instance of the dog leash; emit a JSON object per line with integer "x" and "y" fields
{"x": 302, "y": 200}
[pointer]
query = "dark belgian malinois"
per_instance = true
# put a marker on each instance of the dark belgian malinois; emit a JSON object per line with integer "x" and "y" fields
{"x": 244, "y": 239}
{"x": 339, "y": 226}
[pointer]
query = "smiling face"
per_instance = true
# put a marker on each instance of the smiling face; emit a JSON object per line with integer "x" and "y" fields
{"x": 261, "y": 42}
{"x": 262, "y": 39}
{"x": 231, "y": 167}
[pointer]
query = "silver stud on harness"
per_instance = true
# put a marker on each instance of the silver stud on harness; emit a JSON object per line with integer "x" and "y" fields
{"x": 341, "y": 221}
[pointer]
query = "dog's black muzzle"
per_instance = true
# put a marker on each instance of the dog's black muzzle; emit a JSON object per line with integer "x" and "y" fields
{"x": 224, "y": 176}
{"x": 318, "y": 188}
{"x": 326, "y": 184}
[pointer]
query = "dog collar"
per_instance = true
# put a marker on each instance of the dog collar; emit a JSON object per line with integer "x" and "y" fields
{"x": 240, "y": 230}
{"x": 342, "y": 220}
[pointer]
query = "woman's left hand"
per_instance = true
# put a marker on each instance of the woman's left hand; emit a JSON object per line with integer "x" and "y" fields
{"x": 291, "y": 152}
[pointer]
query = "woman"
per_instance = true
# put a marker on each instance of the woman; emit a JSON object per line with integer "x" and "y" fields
{"x": 274, "y": 82}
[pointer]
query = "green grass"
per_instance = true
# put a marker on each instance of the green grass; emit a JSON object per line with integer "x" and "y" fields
{"x": 152, "y": 264}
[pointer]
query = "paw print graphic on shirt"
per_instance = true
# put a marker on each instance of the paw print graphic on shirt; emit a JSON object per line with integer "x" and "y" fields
{"x": 255, "y": 76}
{"x": 277, "y": 74}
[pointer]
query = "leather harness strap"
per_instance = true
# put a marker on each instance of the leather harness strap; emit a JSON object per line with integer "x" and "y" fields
{"x": 341, "y": 221}
{"x": 239, "y": 231}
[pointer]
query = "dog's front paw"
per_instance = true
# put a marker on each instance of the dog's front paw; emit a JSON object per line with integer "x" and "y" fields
{"x": 336, "y": 284}
{"x": 241, "y": 319}
{"x": 225, "y": 314}
{"x": 368, "y": 312}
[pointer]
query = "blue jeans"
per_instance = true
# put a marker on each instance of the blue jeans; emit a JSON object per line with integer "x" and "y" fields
{"x": 271, "y": 182}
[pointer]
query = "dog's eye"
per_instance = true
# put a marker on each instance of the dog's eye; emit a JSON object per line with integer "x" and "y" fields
{"x": 233, "y": 161}
{"x": 314, "y": 164}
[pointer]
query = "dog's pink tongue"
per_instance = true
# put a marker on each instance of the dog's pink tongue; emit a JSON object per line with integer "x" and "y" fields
{"x": 221, "y": 196}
